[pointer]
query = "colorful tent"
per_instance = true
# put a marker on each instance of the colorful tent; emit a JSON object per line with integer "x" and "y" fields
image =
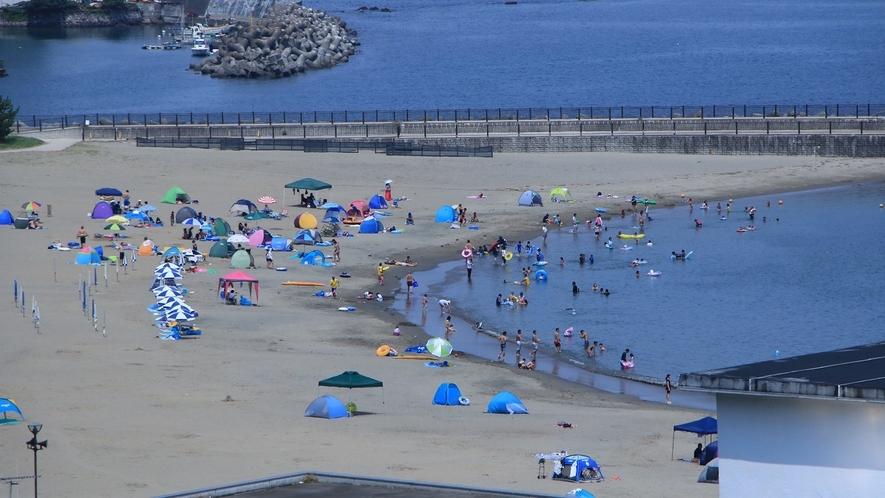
{"x": 174, "y": 195}
{"x": 185, "y": 213}
{"x": 308, "y": 184}
{"x": 146, "y": 248}
{"x": 358, "y": 209}
{"x": 221, "y": 249}
{"x": 260, "y": 237}
{"x": 102, "y": 211}
{"x": 243, "y": 207}
{"x": 305, "y": 220}
{"x": 706, "y": 426}
{"x": 377, "y": 202}
{"x": 446, "y": 214}
{"x": 447, "y": 394}
{"x": 530, "y": 198}
{"x": 231, "y": 278}
{"x": 371, "y": 225}
{"x": 135, "y": 215}
{"x": 87, "y": 256}
{"x": 314, "y": 258}
{"x": 505, "y": 402}
{"x": 307, "y": 237}
{"x": 279, "y": 244}
{"x": 710, "y": 473}
{"x": 561, "y": 191}
{"x": 334, "y": 213}
{"x": 220, "y": 227}
{"x": 579, "y": 468}
{"x": 6, "y": 218}
{"x": 8, "y": 406}
{"x": 326, "y": 407}
{"x": 241, "y": 259}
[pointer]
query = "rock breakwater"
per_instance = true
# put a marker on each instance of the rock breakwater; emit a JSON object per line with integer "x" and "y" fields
{"x": 287, "y": 41}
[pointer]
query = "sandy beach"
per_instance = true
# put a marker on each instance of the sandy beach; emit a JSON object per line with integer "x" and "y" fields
{"x": 130, "y": 415}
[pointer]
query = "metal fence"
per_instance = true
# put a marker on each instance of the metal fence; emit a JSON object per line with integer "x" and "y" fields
{"x": 379, "y": 147}
{"x": 41, "y": 122}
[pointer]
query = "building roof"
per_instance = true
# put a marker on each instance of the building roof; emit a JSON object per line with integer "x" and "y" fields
{"x": 855, "y": 373}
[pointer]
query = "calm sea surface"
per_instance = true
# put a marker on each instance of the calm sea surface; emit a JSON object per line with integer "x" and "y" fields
{"x": 810, "y": 282}
{"x": 457, "y": 53}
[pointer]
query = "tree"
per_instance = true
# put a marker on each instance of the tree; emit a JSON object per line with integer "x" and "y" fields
{"x": 7, "y": 117}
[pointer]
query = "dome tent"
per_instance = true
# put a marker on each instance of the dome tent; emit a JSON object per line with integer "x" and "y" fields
{"x": 505, "y": 402}
{"x": 279, "y": 243}
{"x": 445, "y": 214}
{"x": 559, "y": 191}
{"x": 221, "y": 249}
{"x": 87, "y": 256}
{"x": 102, "y": 211}
{"x": 242, "y": 207}
{"x": 185, "y": 213}
{"x": 6, "y": 218}
{"x": 377, "y": 202}
{"x": 530, "y": 198}
{"x": 221, "y": 227}
{"x": 447, "y": 394}
{"x": 315, "y": 258}
{"x": 174, "y": 195}
{"x": 326, "y": 407}
{"x": 371, "y": 225}
{"x": 307, "y": 237}
{"x": 305, "y": 220}
{"x": 334, "y": 213}
{"x": 358, "y": 209}
{"x": 241, "y": 259}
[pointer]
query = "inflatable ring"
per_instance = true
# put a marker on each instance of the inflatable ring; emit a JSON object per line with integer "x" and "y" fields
{"x": 508, "y": 255}
{"x": 466, "y": 253}
{"x": 463, "y": 401}
{"x": 383, "y": 350}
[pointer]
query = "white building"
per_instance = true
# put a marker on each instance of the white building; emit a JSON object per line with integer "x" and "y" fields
{"x": 808, "y": 426}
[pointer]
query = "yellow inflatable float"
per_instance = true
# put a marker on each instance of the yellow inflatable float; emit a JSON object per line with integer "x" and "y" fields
{"x": 634, "y": 236}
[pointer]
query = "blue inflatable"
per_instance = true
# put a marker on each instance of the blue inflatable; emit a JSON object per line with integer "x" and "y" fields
{"x": 541, "y": 275}
{"x": 507, "y": 403}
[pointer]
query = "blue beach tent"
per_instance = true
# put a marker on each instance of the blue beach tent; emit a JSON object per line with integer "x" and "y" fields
{"x": 279, "y": 244}
{"x": 377, "y": 202}
{"x": 445, "y": 214}
{"x": 326, "y": 407}
{"x": 334, "y": 213}
{"x": 579, "y": 468}
{"x": 7, "y": 406}
{"x": 706, "y": 426}
{"x": 371, "y": 225}
{"x": 6, "y": 218}
{"x": 710, "y": 452}
{"x": 530, "y": 198}
{"x": 505, "y": 402}
{"x": 316, "y": 258}
{"x": 447, "y": 394}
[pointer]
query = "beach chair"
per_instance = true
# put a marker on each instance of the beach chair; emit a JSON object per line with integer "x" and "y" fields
{"x": 284, "y": 213}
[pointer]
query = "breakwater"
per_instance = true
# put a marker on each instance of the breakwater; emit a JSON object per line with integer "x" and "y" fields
{"x": 287, "y": 41}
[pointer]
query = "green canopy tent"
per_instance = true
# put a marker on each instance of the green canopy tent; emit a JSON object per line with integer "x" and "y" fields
{"x": 175, "y": 194}
{"x": 305, "y": 184}
{"x": 221, "y": 228}
{"x": 351, "y": 380}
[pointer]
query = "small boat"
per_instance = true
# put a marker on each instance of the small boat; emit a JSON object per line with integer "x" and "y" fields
{"x": 200, "y": 48}
{"x": 164, "y": 46}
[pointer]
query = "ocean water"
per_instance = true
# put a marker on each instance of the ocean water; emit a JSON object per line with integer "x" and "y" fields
{"x": 808, "y": 279}
{"x": 459, "y": 54}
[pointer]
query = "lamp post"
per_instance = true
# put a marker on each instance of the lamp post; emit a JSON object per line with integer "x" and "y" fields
{"x": 36, "y": 446}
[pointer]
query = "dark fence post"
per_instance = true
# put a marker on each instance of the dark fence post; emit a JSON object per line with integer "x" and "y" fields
{"x": 640, "y": 112}
{"x": 652, "y": 112}
{"x": 314, "y": 116}
{"x": 456, "y": 124}
{"x": 270, "y": 118}
{"x": 581, "y": 128}
{"x": 767, "y": 127}
{"x": 284, "y": 118}
{"x": 207, "y": 119}
{"x": 622, "y": 112}
{"x": 714, "y": 111}
{"x": 861, "y": 127}
{"x": 857, "y": 111}
{"x": 837, "y": 110}
{"x": 705, "y": 126}
{"x": 702, "y": 117}
{"x": 609, "y": 113}
{"x": 364, "y": 117}
{"x": 487, "y": 118}
{"x": 612, "y": 124}
{"x": 831, "y": 127}
{"x": 671, "y": 112}
{"x": 425, "y": 130}
{"x": 732, "y": 112}
{"x": 239, "y": 123}
{"x": 159, "y": 119}
{"x": 222, "y": 118}
{"x": 332, "y": 117}
{"x": 518, "y": 131}
{"x": 735, "y": 127}
{"x": 253, "y": 117}
{"x": 487, "y": 128}
{"x": 745, "y": 110}
{"x": 798, "y": 127}
{"x": 192, "y": 118}
{"x": 683, "y": 111}
{"x": 345, "y": 116}
{"x": 301, "y": 118}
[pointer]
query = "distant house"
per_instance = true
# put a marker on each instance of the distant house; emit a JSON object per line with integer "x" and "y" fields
{"x": 811, "y": 425}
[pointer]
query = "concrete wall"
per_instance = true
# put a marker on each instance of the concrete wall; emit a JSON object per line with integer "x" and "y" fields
{"x": 783, "y": 447}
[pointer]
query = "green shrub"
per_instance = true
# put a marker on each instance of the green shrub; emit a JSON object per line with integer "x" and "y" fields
{"x": 7, "y": 117}
{"x": 14, "y": 14}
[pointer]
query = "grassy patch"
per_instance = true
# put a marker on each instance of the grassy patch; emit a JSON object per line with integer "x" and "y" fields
{"x": 12, "y": 142}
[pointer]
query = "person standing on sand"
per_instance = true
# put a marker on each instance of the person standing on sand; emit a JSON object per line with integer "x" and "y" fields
{"x": 518, "y": 343}
{"x": 380, "y": 274}
{"x": 409, "y": 281}
{"x": 172, "y": 219}
{"x": 669, "y": 387}
{"x": 502, "y": 340}
{"x": 544, "y": 234}
{"x": 334, "y": 284}
{"x": 535, "y": 344}
{"x": 82, "y": 234}
{"x": 469, "y": 268}
{"x": 269, "y": 257}
{"x": 556, "y": 341}
{"x": 126, "y": 200}
{"x": 424, "y": 305}
{"x": 336, "y": 251}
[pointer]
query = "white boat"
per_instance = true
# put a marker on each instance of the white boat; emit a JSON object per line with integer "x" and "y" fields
{"x": 200, "y": 48}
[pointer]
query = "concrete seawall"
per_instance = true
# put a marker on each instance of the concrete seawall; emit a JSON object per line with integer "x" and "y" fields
{"x": 831, "y": 138}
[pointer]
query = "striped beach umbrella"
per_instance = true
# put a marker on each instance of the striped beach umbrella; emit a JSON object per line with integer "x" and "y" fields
{"x": 117, "y": 219}
{"x": 267, "y": 200}
{"x": 192, "y": 222}
{"x": 439, "y": 347}
{"x": 31, "y": 206}
{"x": 116, "y": 227}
